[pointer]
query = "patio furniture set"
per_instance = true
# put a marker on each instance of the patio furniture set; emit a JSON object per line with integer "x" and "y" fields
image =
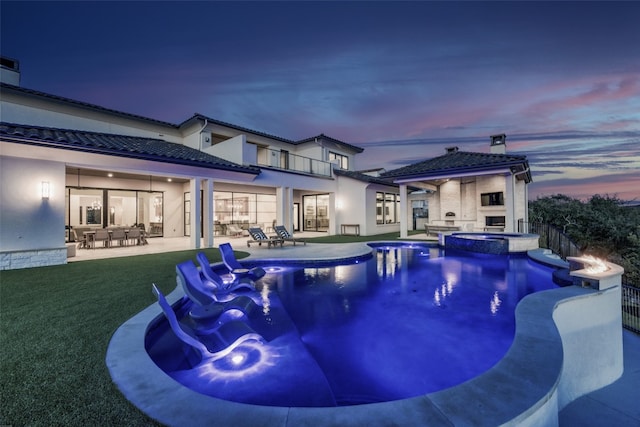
{"x": 109, "y": 236}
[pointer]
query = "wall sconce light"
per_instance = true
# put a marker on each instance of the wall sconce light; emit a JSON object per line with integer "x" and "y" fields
{"x": 45, "y": 190}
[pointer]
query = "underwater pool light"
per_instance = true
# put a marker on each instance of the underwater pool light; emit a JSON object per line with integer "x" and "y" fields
{"x": 237, "y": 359}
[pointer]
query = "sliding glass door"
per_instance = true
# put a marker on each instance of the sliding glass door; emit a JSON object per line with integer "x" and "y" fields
{"x": 316, "y": 212}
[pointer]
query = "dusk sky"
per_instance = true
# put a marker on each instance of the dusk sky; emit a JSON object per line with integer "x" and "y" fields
{"x": 403, "y": 80}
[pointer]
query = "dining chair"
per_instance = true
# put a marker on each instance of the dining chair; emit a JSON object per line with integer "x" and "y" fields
{"x": 102, "y": 235}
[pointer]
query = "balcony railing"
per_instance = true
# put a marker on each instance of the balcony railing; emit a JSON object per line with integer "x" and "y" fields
{"x": 292, "y": 162}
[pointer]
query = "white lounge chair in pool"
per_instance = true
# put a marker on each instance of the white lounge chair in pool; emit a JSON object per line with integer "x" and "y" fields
{"x": 221, "y": 286}
{"x": 217, "y": 343}
{"x": 236, "y": 269}
{"x": 205, "y": 303}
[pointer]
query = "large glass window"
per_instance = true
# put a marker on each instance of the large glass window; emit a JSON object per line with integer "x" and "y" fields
{"x": 85, "y": 207}
{"x": 150, "y": 212}
{"x": 122, "y": 208}
{"x": 243, "y": 209}
{"x": 98, "y": 208}
{"x": 387, "y": 208}
{"x": 343, "y": 161}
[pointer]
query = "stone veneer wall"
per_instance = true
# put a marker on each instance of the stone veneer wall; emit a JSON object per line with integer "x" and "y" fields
{"x": 33, "y": 258}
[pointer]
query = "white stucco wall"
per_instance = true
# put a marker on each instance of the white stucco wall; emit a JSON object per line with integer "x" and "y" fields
{"x": 353, "y": 203}
{"x": 522, "y": 202}
{"x": 31, "y": 228}
{"x": 232, "y": 149}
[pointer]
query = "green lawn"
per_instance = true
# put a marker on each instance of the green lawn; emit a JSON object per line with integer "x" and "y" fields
{"x": 55, "y": 326}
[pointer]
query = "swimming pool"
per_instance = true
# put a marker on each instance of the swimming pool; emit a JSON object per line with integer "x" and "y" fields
{"x": 409, "y": 320}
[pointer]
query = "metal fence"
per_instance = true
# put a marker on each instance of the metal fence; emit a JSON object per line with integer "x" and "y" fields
{"x": 554, "y": 239}
{"x": 551, "y": 238}
{"x": 631, "y": 308}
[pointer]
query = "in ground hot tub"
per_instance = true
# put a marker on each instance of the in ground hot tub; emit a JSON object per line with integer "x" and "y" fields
{"x": 491, "y": 243}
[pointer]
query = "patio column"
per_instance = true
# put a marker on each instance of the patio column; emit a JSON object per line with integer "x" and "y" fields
{"x": 403, "y": 212}
{"x": 284, "y": 207}
{"x": 333, "y": 218}
{"x": 208, "y": 213}
{"x": 288, "y": 211}
{"x": 196, "y": 203}
{"x": 511, "y": 204}
{"x": 281, "y": 206}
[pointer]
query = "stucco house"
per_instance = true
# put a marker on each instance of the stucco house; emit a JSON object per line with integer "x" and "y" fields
{"x": 68, "y": 166}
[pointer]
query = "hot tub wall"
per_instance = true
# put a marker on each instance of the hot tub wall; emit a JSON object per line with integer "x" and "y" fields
{"x": 592, "y": 343}
{"x": 496, "y": 246}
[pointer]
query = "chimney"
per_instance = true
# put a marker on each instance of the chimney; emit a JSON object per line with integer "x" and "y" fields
{"x": 450, "y": 150}
{"x": 9, "y": 71}
{"x": 498, "y": 144}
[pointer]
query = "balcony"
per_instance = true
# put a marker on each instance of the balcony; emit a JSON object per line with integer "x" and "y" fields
{"x": 286, "y": 161}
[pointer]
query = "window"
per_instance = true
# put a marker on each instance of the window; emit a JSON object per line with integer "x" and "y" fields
{"x": 387, "y": 208}
{"x": 492, "y": 199}
{"x": 343, "y": 161}
{"x": 244, "y": 208}
{"x": 115, "y": 208}
{"x": 495, "y": 221}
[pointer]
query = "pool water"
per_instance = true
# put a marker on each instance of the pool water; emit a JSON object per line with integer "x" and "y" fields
{"x": 409, "y": 320}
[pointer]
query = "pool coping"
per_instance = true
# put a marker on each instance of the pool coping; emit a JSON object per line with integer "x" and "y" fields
{"x": 521, "y": 387}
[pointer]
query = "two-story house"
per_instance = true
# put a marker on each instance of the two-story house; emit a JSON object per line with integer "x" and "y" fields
{"x": 68, "y": 166}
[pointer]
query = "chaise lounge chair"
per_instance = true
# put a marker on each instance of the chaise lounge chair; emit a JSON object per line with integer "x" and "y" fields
{"x": 258, "y": 236}
{"x": 205, "y": 303}
{"x": 215, "y": 344}
{"x": 234, "y": 230}
{"x": 235, "y": 268}
{"x": 216, "y": 281}
{"x": 284, "y": 234}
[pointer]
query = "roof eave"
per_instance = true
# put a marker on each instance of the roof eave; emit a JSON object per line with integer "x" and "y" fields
{"x": 458, "y": 173}
{"x": 139, "y": 156}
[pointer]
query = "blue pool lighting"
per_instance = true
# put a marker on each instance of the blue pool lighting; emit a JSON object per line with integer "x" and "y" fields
{"x": 340, "y": 334}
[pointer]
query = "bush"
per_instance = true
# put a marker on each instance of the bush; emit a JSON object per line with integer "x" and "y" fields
{"x": 602, "y": 227}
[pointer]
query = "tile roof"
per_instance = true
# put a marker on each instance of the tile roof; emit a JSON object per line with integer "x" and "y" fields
{"x": 328, "y": 138}
{"x": 458, "y": 162}
{"x": 240, "y": 128}
{"x": 117, "y": 145}
{"x": 86, "y": 105}
{"x": 196, "y": 116}
{"x": 364, "y": 177}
